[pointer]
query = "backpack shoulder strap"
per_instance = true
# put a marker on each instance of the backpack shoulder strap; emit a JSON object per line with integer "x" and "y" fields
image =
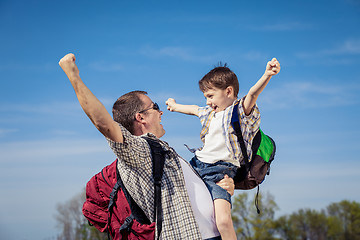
{"x": 235, "y": 122}
{"x": 136, "y": 211}
{"x": 158, "y": 157}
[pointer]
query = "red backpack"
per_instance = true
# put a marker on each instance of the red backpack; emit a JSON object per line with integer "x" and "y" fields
{"x": 110, "y": 208}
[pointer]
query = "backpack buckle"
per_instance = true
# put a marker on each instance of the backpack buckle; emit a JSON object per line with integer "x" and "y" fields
{"x": 127, "y": 223}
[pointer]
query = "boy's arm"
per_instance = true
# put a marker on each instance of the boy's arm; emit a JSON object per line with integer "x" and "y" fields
{"x": 93, "y": 108}
{"x": 272, "y": 68}
{"x": 172, "y": 106}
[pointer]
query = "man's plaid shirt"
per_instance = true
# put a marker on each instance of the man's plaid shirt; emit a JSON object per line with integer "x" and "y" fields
{"x": 249, "y": 127}
{"x": 135, "y": 167}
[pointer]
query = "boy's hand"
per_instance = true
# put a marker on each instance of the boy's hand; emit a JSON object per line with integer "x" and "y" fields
{"x": 171, "y": 104}
{"x": 272, "y": 67}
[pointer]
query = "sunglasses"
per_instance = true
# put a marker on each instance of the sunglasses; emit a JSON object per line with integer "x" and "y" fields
{"x": 155, "y": 107}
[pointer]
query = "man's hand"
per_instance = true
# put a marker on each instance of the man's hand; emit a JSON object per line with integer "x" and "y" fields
{"x": 227, "y": 183}
{"x": 272, "y": 67}
{"x": 67, "y": 63}
{"x": 171, "y": 104}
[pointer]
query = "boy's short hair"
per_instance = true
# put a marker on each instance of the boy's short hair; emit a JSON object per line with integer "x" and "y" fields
{"x": 220, "y": 77}
{"x": 125, "y": 108}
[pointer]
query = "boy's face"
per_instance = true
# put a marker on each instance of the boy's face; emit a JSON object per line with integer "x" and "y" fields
{"x": 219, "y": 99}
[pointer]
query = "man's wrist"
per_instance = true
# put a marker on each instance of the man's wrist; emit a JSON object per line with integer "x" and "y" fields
{"x": 267, "y": 75}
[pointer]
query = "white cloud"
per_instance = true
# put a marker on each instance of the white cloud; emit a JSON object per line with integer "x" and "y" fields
{"x": 286, "y": 26}
{"x": 43, "y": 150}
{"x": 310, "y": 95}
{"x": 302, "y": 94}
{"x": 103, "y": 66}
{"x": 46, "y": 108}
{"x": 348, "y": 47}
{"x": 186, "y": 54}
{"x": 253, "y": 55}
{"x": 161, "y": 97}
{"x": 28, "y": 67}
{"x": 192, "y": 55}
{"x": 59, "y": 132}
{"x": 320, "y": 171}
{"x": 4, "y": 132}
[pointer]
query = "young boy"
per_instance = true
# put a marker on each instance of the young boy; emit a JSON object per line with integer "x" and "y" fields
{"x": 221, "y": 153}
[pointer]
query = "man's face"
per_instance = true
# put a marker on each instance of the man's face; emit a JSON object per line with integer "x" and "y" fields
{"x": 219, "y": 99}
{"x": 152, "y": 118}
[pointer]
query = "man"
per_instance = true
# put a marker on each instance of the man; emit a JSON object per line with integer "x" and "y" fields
{"x": 187, "y": 206}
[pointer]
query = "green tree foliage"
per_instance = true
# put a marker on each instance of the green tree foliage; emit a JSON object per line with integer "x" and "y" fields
{"x": 72, "y": 223}
{"x": 304, "y": 224}
{"x": 339, "y": 221}
{"x": 285, "y": 229}
{"x": 248, "y": 223}
{"x": 345, "y": 216}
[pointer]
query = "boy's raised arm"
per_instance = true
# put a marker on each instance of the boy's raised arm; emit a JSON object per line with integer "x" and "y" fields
{"x": 172, "y": 106}
{"x": 272, "y": 68}
{"x": 93, "y": 108}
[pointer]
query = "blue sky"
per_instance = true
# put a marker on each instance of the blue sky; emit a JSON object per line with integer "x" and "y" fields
{"x": 49, "y": 149}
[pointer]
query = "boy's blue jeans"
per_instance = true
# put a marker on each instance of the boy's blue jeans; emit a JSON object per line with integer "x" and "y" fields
{"x": 212, "y": 173}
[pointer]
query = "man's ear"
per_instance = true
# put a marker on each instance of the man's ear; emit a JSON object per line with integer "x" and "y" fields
{"x": 138, "y": 117}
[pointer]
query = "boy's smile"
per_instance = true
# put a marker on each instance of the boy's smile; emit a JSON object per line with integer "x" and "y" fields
{"x": 219, "y": 99}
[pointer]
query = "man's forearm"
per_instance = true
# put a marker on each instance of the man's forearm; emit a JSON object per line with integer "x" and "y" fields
{"x": 93, "y": 108}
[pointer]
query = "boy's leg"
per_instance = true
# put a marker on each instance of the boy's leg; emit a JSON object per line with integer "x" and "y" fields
{"x": 223, "y": 219}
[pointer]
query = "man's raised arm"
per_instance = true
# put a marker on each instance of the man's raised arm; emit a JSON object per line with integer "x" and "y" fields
{"x": 93, "y": 108}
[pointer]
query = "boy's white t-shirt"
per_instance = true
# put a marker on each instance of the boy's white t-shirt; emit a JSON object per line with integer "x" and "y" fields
{"x": 215, "y": 148}
{"x": 201, "y": 202}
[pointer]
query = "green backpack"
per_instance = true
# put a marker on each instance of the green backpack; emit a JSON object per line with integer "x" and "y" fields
{"x": 252, "y": 172}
